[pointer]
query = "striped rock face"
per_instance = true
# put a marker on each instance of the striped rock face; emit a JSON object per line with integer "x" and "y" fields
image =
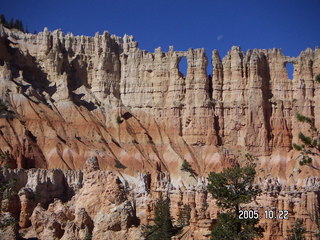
{"x": 70, "y": 98}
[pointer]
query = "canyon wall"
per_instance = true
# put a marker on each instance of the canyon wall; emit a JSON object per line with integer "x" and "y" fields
{"x": 71, "y": 97}
{"x": 77, "y": 96}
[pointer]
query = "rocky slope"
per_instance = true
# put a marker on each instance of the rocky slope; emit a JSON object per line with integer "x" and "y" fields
{"x": 56, "y": 204}
{"x": 74, "y": 97}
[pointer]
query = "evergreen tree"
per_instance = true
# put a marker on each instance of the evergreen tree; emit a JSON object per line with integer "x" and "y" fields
{"x": 8, "y": 189}
{"x": 16, "y": 24}
{"x": 11, "y": 23}
{"x": 310, "y": 145}
{"x": 231, "y": 188}
{"x": 298, "y": 231}
{"x": 184, "y": 216}
{"x": 2, "y": 19}
{"x": 186, "y": 166}
{"x": 163, "y": 228}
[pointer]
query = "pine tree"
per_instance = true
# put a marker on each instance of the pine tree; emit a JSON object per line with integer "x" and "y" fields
{"x": 16, "y": 24}
{"x": 2, "y": 19}
{"x": 310, "y": 145}
{"x": 186, "y": 166}
{"x": 8, "y": 189}
{"x": 11, "y": 23}
{"x": 184, "y": 216}
{"x": 298, "y": 231}
{"x": 231, "y": 188}
{"x": 162, "y": 228}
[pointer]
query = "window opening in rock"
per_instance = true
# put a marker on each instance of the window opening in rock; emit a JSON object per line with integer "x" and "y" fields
{"x": 183, "y": 66}
{"x": 290, "y": 68}
{"x": 209, "y": 73}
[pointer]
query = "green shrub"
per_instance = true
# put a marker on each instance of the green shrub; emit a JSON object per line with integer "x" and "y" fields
{"x": 88, "y": 236}
{"x": 6, "y": 221}
{"x": 186, "y": 167}
{"x": 184, "y": 216}
{"x": 298, "y": 231}
{"x": 8, "y": 189}
{"x": 309, "y": 146}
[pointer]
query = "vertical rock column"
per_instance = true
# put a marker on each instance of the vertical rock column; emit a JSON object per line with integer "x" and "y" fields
{"x": 104, "y": 68}
{"x": 257, "y": 123}
{"x": 306, "y": 91}
{"x": 233, "y": 96}
{"x": 316, "y": 72}
{"x": 217, "y": 84}
{"x": 281, "y": 100}
{"x": 198, "y": 127}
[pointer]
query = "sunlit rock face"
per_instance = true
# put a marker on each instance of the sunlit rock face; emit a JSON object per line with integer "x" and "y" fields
{"x": 55, "y": 204}
{"x": 78, "y": 96}
{"x": 73, "y": 98}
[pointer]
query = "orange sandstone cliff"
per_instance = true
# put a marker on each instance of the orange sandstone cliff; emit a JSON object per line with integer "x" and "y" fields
{"x": 102, "y": 98}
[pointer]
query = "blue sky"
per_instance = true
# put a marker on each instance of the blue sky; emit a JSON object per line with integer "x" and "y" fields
{"x": 214, "y": 24}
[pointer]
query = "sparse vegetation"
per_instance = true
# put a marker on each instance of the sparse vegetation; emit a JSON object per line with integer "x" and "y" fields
{"x": 7, "y": 190}
{"x": 6, "y": 159}
{"x": 13, "y": 23}
{"x": 127, "y": 187}
{"x": 310, "y": 145}
{"x": 309, "y": 148}
{"x": 184, "y": 216}
{"x": 7, "y": 220}
{"x": 119, "y": 165}
{"x": 231, "y": 188}
{"x": 4, "y": 110}
{"x": 88, "y": 236}
{"x": 298, "y": 231}
{"x": 162, "y": 228}
{"x": 186, "y": 167}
